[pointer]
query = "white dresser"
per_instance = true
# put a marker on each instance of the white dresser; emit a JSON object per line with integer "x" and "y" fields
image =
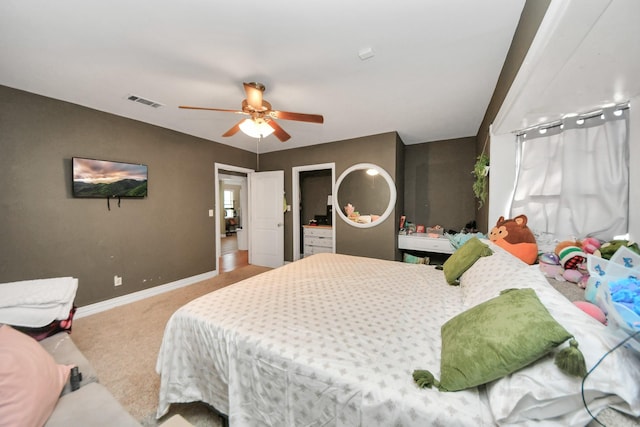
{"x": 317, "y": 239}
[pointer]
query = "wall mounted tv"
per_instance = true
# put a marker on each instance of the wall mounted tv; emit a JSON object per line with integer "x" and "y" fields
{"x": 108, "y": 179}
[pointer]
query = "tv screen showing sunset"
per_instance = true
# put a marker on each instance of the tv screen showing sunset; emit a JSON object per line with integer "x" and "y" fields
{"x": 103, "y": 178}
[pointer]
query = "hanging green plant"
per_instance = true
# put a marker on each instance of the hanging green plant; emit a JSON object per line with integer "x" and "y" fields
{"x": 481, "y": 171}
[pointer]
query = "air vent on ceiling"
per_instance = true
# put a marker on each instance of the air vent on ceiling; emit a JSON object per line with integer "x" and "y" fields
{"x": 144, "y": 101}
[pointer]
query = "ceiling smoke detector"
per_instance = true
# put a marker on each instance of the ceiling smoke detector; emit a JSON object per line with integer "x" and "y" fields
{"x": 365, "y": 53}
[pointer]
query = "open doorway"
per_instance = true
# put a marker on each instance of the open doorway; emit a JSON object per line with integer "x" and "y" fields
{"x": 232, "y": 213}
{"x": 313, "y": 187}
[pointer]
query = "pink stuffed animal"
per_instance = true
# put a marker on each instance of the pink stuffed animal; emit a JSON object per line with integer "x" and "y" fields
{"x": 349, "y": 209}
{"x": 591, "y": 245}
{"x": 592, "y": 310}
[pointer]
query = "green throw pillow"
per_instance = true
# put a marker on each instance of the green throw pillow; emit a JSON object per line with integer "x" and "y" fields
{"x": 463, "y": 258}
{"x": 496, "y": 338}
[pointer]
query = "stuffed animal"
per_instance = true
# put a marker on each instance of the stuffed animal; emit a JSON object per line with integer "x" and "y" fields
{"x": 551, "y": 270}
{"x": 591, "y": 245}
{"x": 572, "y": 257}
{"x": 592, "y": 310}
{"x": 570, "y": 254}
{"x": 609, "y": 248}
{"x": 515, "y": 237}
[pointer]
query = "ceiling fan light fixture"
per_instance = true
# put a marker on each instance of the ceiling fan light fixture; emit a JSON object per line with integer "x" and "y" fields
{"x": 256, "y": 128}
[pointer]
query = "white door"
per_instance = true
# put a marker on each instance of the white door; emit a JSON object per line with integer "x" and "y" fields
{"x": 266, "y": 207}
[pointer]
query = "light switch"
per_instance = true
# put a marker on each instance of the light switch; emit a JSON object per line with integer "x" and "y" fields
{"x": 210, "y": 212}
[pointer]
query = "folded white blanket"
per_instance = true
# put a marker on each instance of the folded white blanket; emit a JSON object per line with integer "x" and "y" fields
{"x": 36, "y": 303}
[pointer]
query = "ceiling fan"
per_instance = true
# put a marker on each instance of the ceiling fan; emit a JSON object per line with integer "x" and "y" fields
{"x": 261, "y": 121}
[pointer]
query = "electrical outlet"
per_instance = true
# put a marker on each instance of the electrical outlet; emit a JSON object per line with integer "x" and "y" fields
{"x": 117, "y": 280}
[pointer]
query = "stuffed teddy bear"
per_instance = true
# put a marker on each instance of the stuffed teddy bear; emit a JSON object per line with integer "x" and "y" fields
{"x": 515, "y": 237}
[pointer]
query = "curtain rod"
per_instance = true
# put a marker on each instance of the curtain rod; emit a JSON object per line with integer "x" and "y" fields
{"x": 585, "y": 116}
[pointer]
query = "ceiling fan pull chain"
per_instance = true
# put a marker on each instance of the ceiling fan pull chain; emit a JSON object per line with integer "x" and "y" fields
{"x": 258, "y": 154}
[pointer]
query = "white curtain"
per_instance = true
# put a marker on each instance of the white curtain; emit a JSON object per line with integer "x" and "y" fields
{"x": 573, "y": 180}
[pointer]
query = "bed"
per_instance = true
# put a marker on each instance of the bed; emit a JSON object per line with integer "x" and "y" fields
{"x": 333, "y": 340}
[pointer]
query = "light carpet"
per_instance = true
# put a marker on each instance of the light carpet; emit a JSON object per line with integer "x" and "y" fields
{"x": 122, "y": 344}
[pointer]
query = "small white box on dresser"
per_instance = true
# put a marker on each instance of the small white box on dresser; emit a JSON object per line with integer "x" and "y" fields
{"x": 317, "y": 239}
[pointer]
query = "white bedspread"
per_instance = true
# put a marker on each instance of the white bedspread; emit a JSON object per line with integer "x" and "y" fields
{"x": 329, "y": 340}
{"x": 36, "y": 303}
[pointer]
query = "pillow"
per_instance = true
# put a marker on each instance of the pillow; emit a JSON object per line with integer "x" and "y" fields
{"x": 541, "y": 391}
{"x": 492, "y": 271}
{"x": 497, "y": 279}
{"x": 463, "y": 258}
{"x": 30, "y": 380}
{"x": 496, "y": 338}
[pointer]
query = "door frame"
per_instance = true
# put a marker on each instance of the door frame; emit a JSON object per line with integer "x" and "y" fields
{"x": 295, "y": 202}
{"x": 216, "y": 204}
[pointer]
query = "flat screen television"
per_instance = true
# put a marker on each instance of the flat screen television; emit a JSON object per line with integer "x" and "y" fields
{"x": 108, "y": 179}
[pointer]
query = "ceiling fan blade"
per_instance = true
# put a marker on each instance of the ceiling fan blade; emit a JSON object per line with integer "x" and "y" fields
{"x": 212, "y": 109}
{"x": 254, "y": 94}
{"x": 278, "y": 131}
{"x": 301, "y": 117}
{"x": 234, "y": 129}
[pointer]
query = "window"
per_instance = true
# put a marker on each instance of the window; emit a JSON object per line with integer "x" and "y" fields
{"x": 228, "y": 204}
{"x": 573, "y": 177}
{"x": 228, "y": 199}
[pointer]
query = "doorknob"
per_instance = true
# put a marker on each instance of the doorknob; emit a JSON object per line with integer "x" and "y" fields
{"x": 280, "y": 224}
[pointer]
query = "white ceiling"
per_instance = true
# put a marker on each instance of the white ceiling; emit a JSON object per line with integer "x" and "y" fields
{"x": 433, "y": 72}
{"x": 432, "y": 75}
{"x": 586, "y": 55}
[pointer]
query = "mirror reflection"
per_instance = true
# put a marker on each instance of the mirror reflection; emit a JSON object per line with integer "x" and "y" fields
{"x": 366, "y": 195}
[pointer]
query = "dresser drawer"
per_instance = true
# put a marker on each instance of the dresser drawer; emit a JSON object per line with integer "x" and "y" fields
{"x": 318, "y": 231}
{"x": 310, "y": 250}
{"x": 317, "y": 240}
{"x": 325, "y": 242}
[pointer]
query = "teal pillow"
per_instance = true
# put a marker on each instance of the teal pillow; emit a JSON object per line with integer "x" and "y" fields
{"x": 463, "y": 258}
{"x": 496, "y": 338}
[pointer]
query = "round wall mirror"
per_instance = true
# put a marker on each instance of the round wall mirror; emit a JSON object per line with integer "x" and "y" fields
{"x": 366, "y": 195}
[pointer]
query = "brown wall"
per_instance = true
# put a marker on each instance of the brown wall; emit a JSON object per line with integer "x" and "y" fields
{"x": 168, "y": 236}
{"x": 45, "y": 232}
{"x": 375, "y": 242}
{"x": 438, "y": 183}
{"x": 530, "y": 19}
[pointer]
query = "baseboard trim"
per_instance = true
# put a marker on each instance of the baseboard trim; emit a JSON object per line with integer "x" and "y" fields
{"x": 98, "y": 307}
